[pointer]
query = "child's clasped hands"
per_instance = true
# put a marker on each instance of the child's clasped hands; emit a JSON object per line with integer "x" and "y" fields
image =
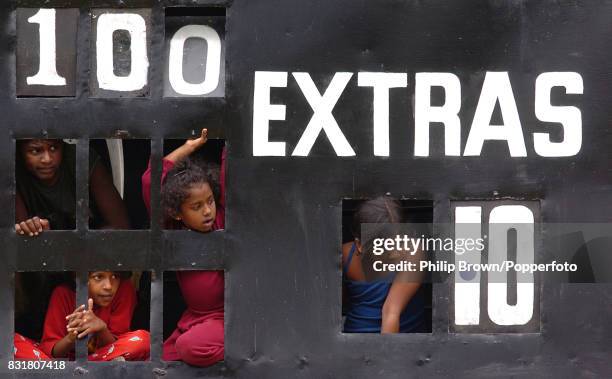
{"x": 83, "y": 322}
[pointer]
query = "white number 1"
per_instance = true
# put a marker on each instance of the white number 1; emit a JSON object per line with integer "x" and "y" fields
{"x": 47, "y": 72}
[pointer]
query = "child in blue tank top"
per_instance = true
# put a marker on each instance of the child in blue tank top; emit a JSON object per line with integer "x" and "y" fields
{"x": 378, "y": 303}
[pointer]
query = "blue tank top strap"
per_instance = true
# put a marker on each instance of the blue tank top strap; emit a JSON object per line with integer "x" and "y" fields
{"x": 348, "y": 261}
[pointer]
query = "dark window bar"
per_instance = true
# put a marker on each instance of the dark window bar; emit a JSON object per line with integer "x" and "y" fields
{"x": 440, "y": 291}
{"x": 82, "y": 250}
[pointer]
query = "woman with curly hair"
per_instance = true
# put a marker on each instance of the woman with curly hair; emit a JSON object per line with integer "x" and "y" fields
{"x": 193, "y": 198}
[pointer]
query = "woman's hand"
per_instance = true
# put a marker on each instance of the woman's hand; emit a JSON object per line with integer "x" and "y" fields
{"x": 32, "y": 226}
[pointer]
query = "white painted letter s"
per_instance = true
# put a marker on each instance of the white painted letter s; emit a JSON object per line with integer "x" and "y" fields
{"x": 569, "y": 117}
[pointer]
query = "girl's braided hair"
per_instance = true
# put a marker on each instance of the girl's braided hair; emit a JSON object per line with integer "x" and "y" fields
{"x": 181, "y": 178}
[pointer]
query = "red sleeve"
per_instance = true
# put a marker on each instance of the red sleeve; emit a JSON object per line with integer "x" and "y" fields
{"x": 61, "y": 304}
{"x": 222, "y": 178}
{"x": 146, "y": 181}
{"x": 122, "y": 308}
{"x": 220, "y": 217}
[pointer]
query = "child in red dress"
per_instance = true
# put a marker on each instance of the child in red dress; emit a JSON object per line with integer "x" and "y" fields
{"x": 192, "y": 200}
{"x": 106, "y": 320}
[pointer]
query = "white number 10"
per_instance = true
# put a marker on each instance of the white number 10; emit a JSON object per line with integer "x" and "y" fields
{"x": 467, "y": 284}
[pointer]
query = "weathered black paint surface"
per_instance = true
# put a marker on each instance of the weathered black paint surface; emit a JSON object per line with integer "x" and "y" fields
{"x": 284, "y": 214}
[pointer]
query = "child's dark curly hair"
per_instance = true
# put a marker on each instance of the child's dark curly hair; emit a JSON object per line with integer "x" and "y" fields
{"x": 184, "y": 175}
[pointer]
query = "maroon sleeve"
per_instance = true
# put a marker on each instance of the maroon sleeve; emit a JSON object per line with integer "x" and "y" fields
{"x": 222, "y": 177}
{"x": 61, "y": 304}
{"x": 146, "y": 181}
{"x": 220, "y": 217}
{"x": 122, "y": 308}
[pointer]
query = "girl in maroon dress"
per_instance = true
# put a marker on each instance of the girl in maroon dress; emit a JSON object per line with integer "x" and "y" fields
{"x": 193, "y": 198}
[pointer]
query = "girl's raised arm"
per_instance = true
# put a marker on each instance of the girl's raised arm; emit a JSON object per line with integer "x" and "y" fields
{"x": 188, "y": 148}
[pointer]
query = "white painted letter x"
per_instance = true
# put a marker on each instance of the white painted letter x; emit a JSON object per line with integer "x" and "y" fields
{"x": 322, "y": 118}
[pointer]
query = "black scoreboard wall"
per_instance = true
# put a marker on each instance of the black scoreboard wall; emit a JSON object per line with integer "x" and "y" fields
{"x": 286, "y": 179}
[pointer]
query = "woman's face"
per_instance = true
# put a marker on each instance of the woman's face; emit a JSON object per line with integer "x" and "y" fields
{"x": 42, "y": 158}
{"x": 198, "y": 210}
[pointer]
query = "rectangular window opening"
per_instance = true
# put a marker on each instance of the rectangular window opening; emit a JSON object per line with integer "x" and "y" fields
{"x": 45, "y": 176}
{"x": 193, "y": 189}
{"x": 194, "y": 311}
{"x": 116, "y": 194}
{"x": 126, "y": 313}
{"x": 44, "y": 300}
{"x": 34, "y": 314}
{"x": 417, "y": 314}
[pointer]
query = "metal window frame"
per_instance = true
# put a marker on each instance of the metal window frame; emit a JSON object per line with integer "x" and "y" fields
{"x": 82, "y": 250}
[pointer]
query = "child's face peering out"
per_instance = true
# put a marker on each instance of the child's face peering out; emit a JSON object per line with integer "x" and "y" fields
{"x": 103, "y": 286}
{"x": 198, "y": 210}
{"x": 42, "y": 158}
